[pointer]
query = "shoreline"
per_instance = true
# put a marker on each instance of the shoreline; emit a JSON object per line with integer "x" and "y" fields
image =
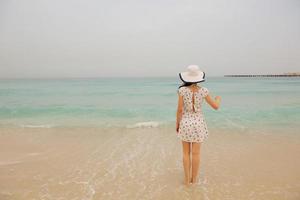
{"x": 153, "y": 125}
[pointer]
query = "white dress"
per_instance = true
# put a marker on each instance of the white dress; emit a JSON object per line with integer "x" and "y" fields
{"x": 192, "y": 127}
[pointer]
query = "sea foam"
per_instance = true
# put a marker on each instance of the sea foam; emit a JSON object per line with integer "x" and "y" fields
{"x": 149, "y": 124}
{"x": 36, "y": 126}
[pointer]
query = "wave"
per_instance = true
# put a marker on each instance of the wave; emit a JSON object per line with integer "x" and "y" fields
{"x": 36, "y": 126}
{"x": 148, "y": 124}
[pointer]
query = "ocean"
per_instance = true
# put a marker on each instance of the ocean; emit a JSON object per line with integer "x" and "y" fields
{"x": 131, "y": 102}
{"x": 115, "y": 139}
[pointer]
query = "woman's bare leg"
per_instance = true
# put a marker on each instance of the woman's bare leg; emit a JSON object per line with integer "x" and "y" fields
{"x": 195, "y": 161}
{"x": 186, "y": 161}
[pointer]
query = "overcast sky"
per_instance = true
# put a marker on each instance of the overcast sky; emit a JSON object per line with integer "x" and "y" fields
{"x": 96, "y": 38}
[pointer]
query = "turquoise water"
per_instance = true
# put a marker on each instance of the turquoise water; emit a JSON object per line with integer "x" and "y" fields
{"x": 128, "y": 102}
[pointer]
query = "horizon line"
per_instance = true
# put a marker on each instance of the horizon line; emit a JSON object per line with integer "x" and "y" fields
{"x": 92, "y": 77}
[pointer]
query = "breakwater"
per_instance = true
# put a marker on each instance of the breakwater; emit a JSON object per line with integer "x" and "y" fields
{"x": 263, "y": 75}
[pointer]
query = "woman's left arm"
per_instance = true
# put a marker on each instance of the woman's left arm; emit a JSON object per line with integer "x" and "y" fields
{"x": 179, "y": 111}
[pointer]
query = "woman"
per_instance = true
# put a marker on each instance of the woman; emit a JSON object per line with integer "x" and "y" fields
{"x": 190, "y": 124}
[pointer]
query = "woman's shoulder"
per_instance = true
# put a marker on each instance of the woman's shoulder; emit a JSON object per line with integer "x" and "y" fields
{"x": 181, "y": 90}
{"x": 204, "y": 91}
{"x": 203, "y": 88}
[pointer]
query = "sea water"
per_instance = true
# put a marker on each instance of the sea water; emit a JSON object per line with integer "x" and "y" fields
{"x": 114, "y": 138}
{"x": 145, "y": 102}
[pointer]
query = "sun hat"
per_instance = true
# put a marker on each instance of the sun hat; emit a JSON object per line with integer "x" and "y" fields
{"x": 192, "y": 75}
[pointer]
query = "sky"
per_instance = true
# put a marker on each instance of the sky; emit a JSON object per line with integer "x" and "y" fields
{"x": 141, "y": 38}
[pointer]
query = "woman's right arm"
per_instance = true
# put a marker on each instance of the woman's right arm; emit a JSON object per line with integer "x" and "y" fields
{"x": 215, "y": 104}
{"x": 179, "y": 111}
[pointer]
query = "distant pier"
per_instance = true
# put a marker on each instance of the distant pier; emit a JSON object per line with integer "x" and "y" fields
{"x": 265, "y": 75}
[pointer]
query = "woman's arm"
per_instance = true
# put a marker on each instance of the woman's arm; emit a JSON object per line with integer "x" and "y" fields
{"x": 215, "y": 104}
{"x": 179, "y": 111}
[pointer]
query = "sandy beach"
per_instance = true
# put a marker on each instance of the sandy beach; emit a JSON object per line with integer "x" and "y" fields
{"x": 145, "y": 163}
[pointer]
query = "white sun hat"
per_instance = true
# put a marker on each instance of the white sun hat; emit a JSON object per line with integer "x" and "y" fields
{"x": 192, "y": 75}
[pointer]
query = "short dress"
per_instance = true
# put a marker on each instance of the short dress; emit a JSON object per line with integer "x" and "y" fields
{"x": 192, "y": 127}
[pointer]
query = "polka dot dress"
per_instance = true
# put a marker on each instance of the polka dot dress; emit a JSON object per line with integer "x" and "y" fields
{"x": 192, "y": 127}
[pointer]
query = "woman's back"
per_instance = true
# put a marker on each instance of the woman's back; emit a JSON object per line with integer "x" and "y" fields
{"x": 192, "y": 127}
{"x": 192, "y": 99}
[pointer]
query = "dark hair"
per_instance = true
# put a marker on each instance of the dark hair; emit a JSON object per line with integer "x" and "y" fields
{"x": 186, "y": 84}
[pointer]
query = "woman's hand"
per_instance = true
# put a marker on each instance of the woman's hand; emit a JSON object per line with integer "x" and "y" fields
{"x": 177, "y": 127}
{"x": 214, "y": 103}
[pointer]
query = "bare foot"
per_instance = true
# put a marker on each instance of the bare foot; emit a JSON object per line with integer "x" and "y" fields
{"x": 187, "y": 182}
{"x": 194, "y": 181}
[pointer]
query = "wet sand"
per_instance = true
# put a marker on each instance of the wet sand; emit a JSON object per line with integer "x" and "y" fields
{"x": 145, "y": 163}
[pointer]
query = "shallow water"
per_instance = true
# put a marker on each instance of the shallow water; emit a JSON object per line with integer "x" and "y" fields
{"x": 145, "y": 163}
